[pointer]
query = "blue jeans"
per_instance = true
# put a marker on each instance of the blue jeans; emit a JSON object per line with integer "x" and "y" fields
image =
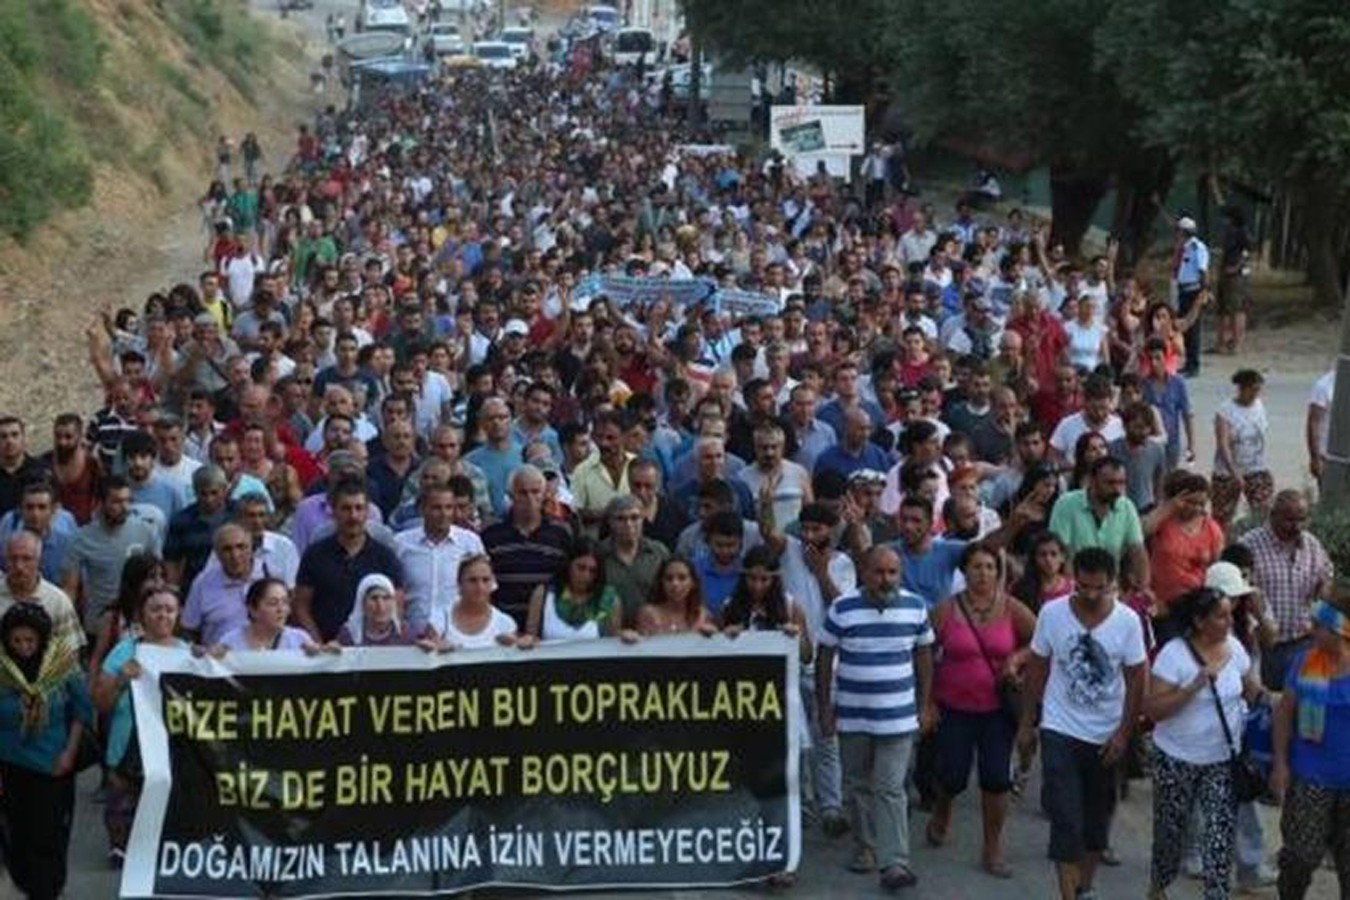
{"x": 822, "y": 759}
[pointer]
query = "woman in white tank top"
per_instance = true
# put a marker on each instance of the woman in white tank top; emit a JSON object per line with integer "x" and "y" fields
{"x": 577, "y": 605}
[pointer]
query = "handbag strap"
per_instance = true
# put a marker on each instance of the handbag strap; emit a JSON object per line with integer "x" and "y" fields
{"x": 1218, "y": 704}
{"x": 984, "y": 653}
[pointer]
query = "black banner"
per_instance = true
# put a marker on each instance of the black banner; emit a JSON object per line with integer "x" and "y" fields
{"x": 671, "y": 763}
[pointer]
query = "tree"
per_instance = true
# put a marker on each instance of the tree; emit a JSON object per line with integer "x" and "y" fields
{"x": 1258, "y": 89}
{"x": 1022, "y": 79}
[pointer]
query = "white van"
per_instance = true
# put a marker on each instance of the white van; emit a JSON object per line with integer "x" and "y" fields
{"x": 603, "y": 17}
{"x": 384, "y": 15}
{"x": 633, "y": 45}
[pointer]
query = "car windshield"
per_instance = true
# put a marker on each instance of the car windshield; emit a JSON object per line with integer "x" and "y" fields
{"x": 605, "y": 15}
{"x": 633, "y": 42}
{"x": 516, "y": 37}
{"x": 445, "y": 30}
{"x": 492, "y": 51}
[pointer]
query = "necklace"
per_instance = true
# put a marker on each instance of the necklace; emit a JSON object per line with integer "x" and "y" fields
{"x": 984, "y": 613}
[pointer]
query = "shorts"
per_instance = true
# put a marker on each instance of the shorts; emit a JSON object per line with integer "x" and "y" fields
{"x": 1078, "y": 794}
{"x": 1234, "y": 294}
{"x": 961, "y": 737}
{"x": 1225, "y": 491}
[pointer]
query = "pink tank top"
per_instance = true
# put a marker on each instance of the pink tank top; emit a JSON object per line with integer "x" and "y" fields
{"x": 962, "y": 679}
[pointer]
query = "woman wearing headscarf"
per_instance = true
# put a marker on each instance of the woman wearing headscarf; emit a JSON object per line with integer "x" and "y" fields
{"x": 44, "y": 710}
{"x": 1312, "y": 755}
{"x": 374, "y": 621}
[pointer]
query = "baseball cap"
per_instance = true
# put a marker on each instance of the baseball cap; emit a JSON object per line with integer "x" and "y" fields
{"x": 517, "y": 327}
{"x": 1227, "y": 579}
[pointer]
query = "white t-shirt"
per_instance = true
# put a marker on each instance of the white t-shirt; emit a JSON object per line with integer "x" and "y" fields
{"x": 1323, "y": 390}
{"x": 1071, "y": 428}
{"x": 1085, "y": 693}
{"x": 801, "y": 583}
{"x": 1247, "y": 425}
{"x": 788, "y": 496}
{"x": 1193, "y": 733}
{"x": 499, "y": 624}
{"x": 1085, "y": 344}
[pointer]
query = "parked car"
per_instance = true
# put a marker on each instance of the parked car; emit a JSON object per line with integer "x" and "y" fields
{"x": 521, "y": 41}
{"x": 495, "y": 54}
{"x": 445, "y": 39}
{"x": 604, "y": 17}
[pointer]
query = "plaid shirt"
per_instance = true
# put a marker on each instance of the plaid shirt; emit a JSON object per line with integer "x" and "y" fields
{"x": 1289, "y": 576}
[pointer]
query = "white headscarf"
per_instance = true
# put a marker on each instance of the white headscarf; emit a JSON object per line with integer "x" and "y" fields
{"x": 356, "y": 622}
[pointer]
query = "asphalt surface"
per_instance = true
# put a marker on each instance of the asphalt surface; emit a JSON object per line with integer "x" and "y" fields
{"x": 951, "y": 872}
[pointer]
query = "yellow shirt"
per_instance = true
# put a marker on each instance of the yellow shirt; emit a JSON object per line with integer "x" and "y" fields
{"x": 592, "y": 487}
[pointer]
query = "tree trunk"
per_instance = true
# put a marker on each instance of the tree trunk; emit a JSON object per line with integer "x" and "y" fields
{"x": 1335, "y": 486}
{"x": 1074, "y": 197}
{"x": 1136, "y": 215}
{"x": 1319, "y": 236}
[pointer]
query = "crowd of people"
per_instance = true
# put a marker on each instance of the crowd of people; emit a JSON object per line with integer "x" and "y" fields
{"x": 397, "y": 407}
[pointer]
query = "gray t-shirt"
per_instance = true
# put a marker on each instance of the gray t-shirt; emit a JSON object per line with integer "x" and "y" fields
{"x": 1144, "y": 467}
{"x": 98, "y": 553}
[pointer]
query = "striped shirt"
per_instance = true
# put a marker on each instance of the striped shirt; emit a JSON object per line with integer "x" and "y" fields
{"x": 875, "y": 678}
{"x": 522, "y": 562}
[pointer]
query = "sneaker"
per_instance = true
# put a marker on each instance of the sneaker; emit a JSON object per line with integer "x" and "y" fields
{"x": 116, "y": 857}
{"x": 1263, "y": 876}
{"x": 1193, "y": 867}
{"x": 1086, "y": 894}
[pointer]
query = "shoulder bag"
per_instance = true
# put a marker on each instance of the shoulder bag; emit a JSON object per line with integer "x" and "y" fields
{"x": 1248, "y": 781}
{"x": 1009, "y": 694}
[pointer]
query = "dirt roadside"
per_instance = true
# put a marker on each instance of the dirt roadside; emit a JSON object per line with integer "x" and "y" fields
{"x": 132, "y": 240}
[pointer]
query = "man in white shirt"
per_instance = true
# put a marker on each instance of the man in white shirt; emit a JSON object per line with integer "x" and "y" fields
{"x": 431, "y": 556}
{"x": 916, "y": 243}
{"x": 171, "y": 463}
{"x": 1317, "y": 427}
{"x": 815, "y": 574}
{"x": 780, "y": 486}
{"x": 1086, "y": 674}
{"x": 1095, "y": 416}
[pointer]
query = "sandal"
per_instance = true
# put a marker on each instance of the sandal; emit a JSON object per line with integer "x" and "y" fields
{"x": 897, "y": 877}
{"x": 864, "y": 862}
{"x": 997, "y": 868}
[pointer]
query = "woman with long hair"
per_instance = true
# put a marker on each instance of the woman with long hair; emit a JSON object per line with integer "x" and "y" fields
{"x": 156, "y": 616}
{"x": 675, "y": 605}
{"x": 1045, "y": 577}
{"x": 1089, "y": 448}
{"x": 578, "y": 604}
{"x": 140, "y": 572}
{"x": 759, "y": 603}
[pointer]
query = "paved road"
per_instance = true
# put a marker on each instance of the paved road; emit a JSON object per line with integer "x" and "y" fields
{"x": 950, "y": 873}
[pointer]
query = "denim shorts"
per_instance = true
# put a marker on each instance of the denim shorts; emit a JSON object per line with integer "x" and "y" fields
{"x": 1078, "y": 793}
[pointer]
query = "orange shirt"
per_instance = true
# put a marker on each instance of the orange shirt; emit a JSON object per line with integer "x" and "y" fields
{"x": 1178, "y": 560}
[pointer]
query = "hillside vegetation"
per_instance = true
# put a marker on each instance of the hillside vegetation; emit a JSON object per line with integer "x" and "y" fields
{"x": 133, "y": 87}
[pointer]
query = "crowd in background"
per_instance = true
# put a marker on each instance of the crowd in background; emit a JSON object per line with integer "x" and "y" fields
{"x": 398, "y": 407}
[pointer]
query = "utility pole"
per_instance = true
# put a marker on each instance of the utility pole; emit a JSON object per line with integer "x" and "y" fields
{"x": 695, "y": 115}
{"x": 1335, "y": 487}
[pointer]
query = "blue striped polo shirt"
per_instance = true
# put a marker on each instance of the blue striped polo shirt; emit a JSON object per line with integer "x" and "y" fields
{"x": 874, "y": 691}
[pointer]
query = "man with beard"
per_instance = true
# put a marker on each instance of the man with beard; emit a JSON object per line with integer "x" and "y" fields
{"x": 1100, "y": 515}
{"x": 883, "y": 642}
{"x": 631, "y": 362}
{"x": 147, "y": 487}
{"x": 1085, "y": 678}
{"x": 93, "y": 570}
{"x": 815, "y": 575}
{"x": 171, "y": 463}
{"x": 75, "y": 471}
{"x": 499, "y": 454}
{"x": 781, "y": 486}
{"x": 533, "y": 422}
{"x": 604, "y": 475}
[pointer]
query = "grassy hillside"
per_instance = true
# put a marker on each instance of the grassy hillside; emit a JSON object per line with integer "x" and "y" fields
{"x": 121, "y": 84}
